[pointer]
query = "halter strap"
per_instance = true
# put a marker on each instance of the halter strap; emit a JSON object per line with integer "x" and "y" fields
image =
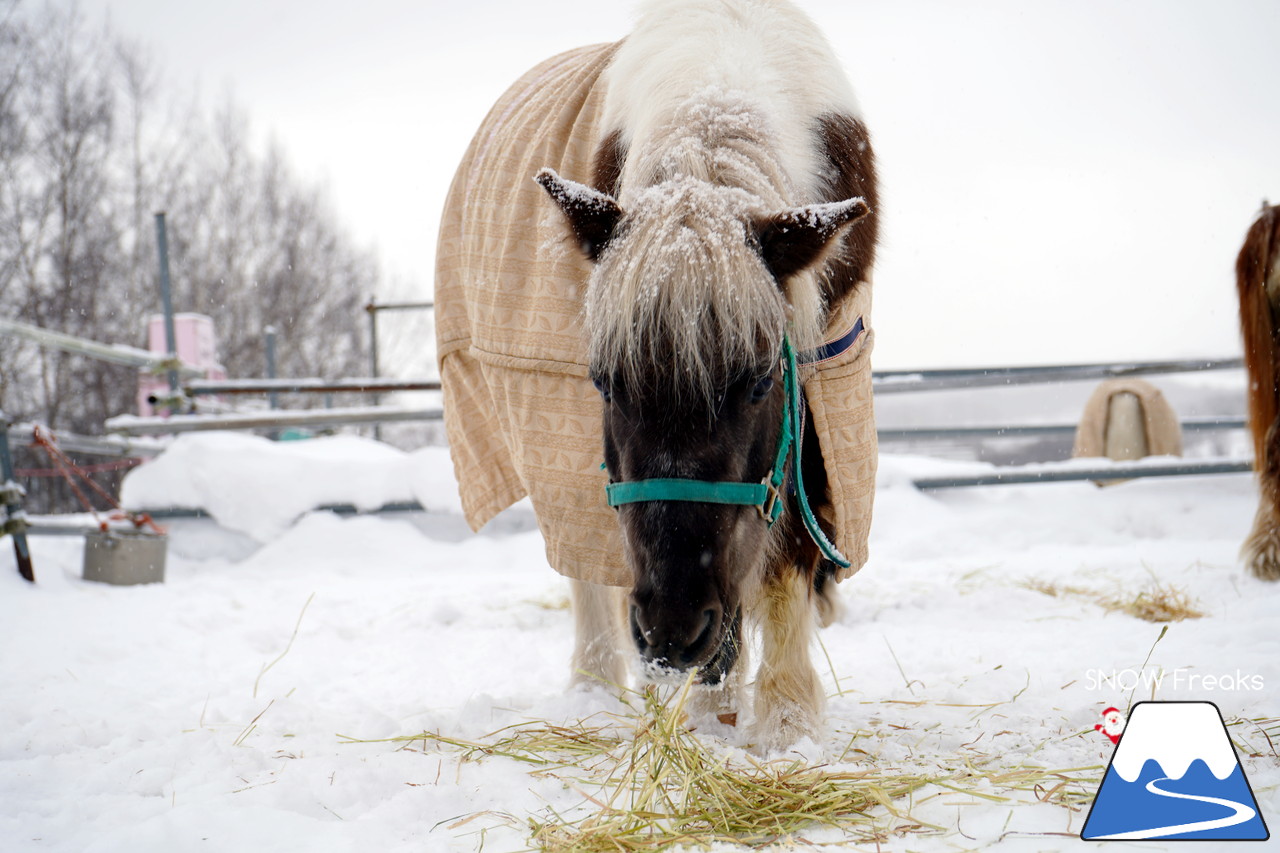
{"x": 677, "y": 489}
{"x": 835, "y": 348}
{"x": 825, "y": 545}
{"x": 766, "y": 495}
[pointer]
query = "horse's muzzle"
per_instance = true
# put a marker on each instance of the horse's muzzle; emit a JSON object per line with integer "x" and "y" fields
{"x": 711, "y": 646}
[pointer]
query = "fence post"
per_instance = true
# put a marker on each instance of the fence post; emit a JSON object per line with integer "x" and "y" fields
{"x": 372, "y": 308}
{"x": 273, "y": 398}
{"x": 17, "y": 521}
{"x": 166, "y": 298}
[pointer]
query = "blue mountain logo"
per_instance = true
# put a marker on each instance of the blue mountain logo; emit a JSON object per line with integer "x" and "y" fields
{"x": 1175, "y": 775}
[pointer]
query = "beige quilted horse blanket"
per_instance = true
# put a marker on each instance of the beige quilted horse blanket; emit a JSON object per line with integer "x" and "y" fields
{"x": 522, "y": 415}
{"x": 1161, "y": 426}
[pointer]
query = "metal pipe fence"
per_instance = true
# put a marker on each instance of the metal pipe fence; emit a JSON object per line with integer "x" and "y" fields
{"x": 308, "y": 385}
{"x": 1098, "y": 473}
{"x": 892, "y": 434}
{"x": 113, "y": 353}
{"x": 272, "y": 419}
{"x": 900, "y": 381}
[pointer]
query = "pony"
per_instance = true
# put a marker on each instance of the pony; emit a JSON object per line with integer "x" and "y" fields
{"x": 725, "y": 220}
{"x": 1258, "y": 288}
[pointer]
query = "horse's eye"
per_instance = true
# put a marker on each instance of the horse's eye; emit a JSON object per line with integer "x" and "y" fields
{"x": 762, "y": 389}
{"x": 602, "y": 388}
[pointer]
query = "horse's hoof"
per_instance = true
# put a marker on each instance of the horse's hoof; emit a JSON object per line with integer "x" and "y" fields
{"x": 1264, "y": 565}
{"x": 1261, "y": 555}
{"x": 781, "y": 729}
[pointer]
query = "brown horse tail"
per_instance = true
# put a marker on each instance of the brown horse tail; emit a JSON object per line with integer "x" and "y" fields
{"x": 1255, "y": 263}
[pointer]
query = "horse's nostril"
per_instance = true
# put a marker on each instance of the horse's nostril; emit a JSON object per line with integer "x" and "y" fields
{"x": 638, "y": 633}
{"x": 672, "y": 639}
{"x": 704, "y": 638}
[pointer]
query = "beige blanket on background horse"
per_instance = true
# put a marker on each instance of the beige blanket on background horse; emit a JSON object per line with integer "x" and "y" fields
{"x": 1162, "y": 430}
{"x": 522, "y": 415}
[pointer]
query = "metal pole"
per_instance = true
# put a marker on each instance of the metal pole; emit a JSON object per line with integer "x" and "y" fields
{"x": 372, "y": 308}
{"x": 1020, "y": 476}
{"x": 1205, "y": 424}
{"x": 13, "y": 506}
{"x": 893, "y": 381}
{"x": 133, "y": 425}
{"x": 113, "y": 353}
{"x": 309, "y": 385}
{"x": 273, "y": 398}
{"x": 400, "y": 306}
{"x": 166, "y": 297}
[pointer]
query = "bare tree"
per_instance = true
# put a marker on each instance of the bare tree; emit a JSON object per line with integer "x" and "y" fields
{"x": 91, "y": 145}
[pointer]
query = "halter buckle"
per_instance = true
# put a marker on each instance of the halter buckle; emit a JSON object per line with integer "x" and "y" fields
{"x": 769, "y": 508}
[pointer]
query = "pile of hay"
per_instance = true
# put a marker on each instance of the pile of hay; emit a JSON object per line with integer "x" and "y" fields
{"x": 670, "y": 787}
{"x": 649, "y": 783}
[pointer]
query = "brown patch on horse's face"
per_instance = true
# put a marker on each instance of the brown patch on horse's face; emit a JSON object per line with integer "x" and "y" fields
{"x": 606, "y": 168}
{"x": 693, "y": 564}
{"x": 853, "y": 175}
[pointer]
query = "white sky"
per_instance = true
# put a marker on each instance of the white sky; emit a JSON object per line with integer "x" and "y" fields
{"x": 1062, "y": 180}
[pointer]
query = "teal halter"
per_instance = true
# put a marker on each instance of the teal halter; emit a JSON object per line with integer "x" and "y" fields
{"x": 765, "y": 496}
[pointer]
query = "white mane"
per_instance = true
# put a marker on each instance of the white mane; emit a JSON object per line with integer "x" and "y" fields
{"x": 767, "y": 51}
{"x": 717, "y": 103}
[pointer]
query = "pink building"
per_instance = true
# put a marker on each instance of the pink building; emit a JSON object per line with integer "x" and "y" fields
{"x": 197, "y": 345}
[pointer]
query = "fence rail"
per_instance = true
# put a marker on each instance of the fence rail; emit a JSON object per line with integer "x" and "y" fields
{"x": 114, "y": 353}
{"x": 309, "y": 385}
{"x": 21, "y": 435}
{"x": 132, "y": 425}
{"x": 1102, "y": 472}
{"x": 890, "y": 434}
{"x": 899, "y": 381}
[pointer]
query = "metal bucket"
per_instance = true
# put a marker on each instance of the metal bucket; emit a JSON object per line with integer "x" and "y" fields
{"x": 124, "y": 557}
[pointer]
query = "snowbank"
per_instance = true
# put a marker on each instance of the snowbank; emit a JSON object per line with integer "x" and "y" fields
{"x": 260, "y": 487}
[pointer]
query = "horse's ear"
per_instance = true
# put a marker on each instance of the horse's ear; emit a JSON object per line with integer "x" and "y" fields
{"x": 797, "y": 238}
{"x": 592, "y": 214}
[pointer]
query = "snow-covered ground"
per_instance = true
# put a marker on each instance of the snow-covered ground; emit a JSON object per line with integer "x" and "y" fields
{"x": 208, "y": 712}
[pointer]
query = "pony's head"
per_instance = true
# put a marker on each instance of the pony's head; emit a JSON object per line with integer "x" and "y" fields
{"x": 692, "y": 290}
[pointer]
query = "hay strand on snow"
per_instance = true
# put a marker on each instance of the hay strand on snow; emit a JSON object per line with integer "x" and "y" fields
{"x": 1156, "y": 603}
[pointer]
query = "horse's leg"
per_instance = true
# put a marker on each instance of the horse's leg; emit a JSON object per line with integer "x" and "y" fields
{"x": 598, "y": 656}
{"x": 789, "y": 698}
{"x": 1261, "y": 551}
{"x": 1258, "y": 289}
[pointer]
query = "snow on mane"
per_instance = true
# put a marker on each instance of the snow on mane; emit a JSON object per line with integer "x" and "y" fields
{"x": 682, "y": 274}
{"x": 684, "y": 289}
{"x": 717, "y": 103}
{"x": 769, "y": 52}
